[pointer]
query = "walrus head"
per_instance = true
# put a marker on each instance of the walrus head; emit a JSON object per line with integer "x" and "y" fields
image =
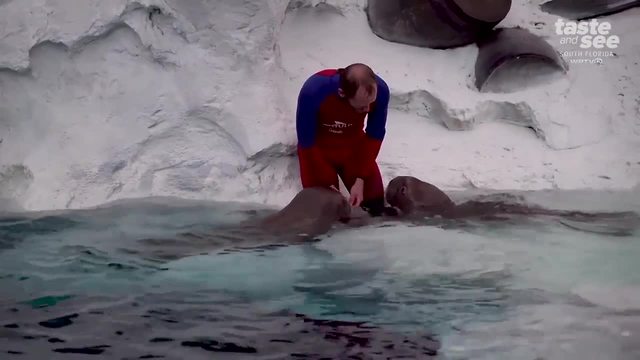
{"x": 410, "y": 195}
{"x": 398, "y": 194}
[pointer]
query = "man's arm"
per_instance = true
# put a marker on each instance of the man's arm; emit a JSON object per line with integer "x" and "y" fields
{"x": 312, "y": 162}
{"x": 375, "y": 131}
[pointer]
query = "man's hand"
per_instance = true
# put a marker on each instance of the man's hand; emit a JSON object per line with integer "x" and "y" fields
{"x": 357, "y": 193}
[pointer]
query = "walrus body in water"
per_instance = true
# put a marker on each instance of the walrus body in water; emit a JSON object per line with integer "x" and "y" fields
{"x": 311, "y": 213}
{"x": 413, "y": 196}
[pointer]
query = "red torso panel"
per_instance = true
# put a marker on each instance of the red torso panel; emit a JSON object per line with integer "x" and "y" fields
{"x": 338, "y": 123}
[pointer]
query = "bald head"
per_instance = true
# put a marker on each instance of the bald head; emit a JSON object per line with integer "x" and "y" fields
{"x": 358, "y": 85}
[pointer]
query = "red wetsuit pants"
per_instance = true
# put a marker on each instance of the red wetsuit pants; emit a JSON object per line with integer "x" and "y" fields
{"x": 322, "y": 166}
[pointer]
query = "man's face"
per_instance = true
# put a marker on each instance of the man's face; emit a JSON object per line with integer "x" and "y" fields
{"x": 362, "y": 100}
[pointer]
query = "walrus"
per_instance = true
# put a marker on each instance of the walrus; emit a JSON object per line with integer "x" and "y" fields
{"x": 311, "y": 213}
{"x": 413, "y": 196}
{"x": 437, "y": 24}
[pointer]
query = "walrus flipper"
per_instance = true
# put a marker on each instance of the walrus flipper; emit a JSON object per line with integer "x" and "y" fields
{"x": 512, "y": 56}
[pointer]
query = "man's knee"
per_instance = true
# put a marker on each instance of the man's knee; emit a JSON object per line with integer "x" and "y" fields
{"x": 373, "y": 206}
{"x": 376, "y": 207}
{"x": 374, "y": 188}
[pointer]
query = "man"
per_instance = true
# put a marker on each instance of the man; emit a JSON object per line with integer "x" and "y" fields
{"x": 332, "y": 106}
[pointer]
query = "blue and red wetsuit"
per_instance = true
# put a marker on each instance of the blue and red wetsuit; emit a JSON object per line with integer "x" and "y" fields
{"x": 332, "y": 140}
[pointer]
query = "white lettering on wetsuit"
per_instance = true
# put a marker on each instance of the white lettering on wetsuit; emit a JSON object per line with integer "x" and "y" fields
{"x": 337, "y": 127}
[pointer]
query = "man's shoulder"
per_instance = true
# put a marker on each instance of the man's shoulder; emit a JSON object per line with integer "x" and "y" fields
{"x": 326, "y": 72}
{"x": 321, "y": 83}
{"x": 383, "y": 91}
{"x": 382, "y": 85}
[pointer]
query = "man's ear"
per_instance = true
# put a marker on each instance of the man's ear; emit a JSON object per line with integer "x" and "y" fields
{"x": 340, "y": 92}
{"x": 404, "y": 190}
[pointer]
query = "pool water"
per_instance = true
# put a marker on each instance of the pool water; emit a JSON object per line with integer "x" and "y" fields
{"x": 77, "y": 284}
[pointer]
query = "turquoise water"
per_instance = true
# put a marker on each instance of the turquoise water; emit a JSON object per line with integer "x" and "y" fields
{"x": 525, "y": 289}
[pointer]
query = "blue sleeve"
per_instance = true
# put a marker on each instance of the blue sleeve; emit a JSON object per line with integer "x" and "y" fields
{"x": 377, "y": 120}
{"x": 311, "y": 96}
